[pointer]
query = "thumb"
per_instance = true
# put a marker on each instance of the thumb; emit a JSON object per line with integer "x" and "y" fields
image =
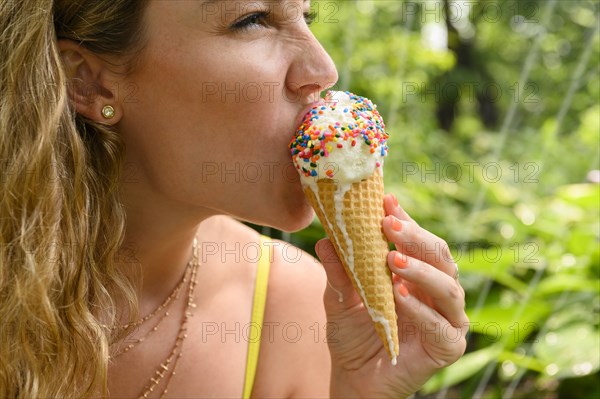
{"x": 339, "y": 286}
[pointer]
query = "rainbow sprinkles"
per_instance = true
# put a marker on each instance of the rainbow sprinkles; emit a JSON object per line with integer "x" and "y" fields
{"x": 342, "y": 122}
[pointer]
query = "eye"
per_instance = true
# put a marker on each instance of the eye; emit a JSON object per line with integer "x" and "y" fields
{"x": 310, "y": 17}
{"x": 251, "y": 21}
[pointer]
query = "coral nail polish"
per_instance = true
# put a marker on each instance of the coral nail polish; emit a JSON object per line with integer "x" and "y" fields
{"x": 395, "y": 201}
{"x": 396, "y": 224}
{"x": 400, "y": 261}
{"x": 403, "y": 290}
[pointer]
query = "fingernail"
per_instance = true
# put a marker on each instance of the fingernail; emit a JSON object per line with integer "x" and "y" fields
{"x": 317, "y": 246}
{"x": 395, "y": 201}
{"x": 400, "y": 260}
{"x": 396, "y": 224}
{"x": 403, "y": 290}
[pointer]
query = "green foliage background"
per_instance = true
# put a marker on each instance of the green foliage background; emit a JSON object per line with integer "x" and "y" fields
{"x": 515, "y": 197}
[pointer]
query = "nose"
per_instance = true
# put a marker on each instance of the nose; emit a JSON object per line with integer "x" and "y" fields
{"x": 311, "y": 71}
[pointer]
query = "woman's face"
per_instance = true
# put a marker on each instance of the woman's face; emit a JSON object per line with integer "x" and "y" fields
{"x": 209, "y": 112}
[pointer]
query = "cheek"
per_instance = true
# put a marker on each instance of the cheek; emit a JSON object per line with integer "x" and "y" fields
{"x": 202, "y": 141}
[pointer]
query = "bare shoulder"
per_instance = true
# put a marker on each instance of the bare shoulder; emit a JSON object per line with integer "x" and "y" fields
{"x": 297, "y": 281}
{"x": 294, "y": 359}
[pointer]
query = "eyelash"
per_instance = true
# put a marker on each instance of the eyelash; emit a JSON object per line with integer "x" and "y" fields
{"x": 310, "y": 17}
{"x": 250, "y": 22}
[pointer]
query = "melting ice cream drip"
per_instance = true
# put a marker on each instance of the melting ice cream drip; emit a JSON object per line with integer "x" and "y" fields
{"x": 345, "y": 141}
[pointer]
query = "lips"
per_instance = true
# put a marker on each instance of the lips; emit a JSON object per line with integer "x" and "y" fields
{"x": 305, "y": 111}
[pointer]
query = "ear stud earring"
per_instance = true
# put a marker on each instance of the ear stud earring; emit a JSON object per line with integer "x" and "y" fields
{"x": 108, "y": 112}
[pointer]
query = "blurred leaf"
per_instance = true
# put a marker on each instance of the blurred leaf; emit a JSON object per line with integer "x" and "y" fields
{"x": 527, "y": 362}
{"x": 571, "y": 351}
{"x": 578, "y": 308}
{"x": 582, "y": 195}
{"x": 494, "y": 263}
{"x": 582, "y": 242}
{"x": 589, "y": 130}
{"x": 467, "y": 366}
{"x": 508, "y": 324}
{"x": 561, "y": 282}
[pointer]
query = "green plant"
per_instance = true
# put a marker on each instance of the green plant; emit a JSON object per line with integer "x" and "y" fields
{"x": 517, "y": 201}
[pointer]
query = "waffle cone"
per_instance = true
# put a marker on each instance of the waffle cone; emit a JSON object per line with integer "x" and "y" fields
{"x": 362, "y": 214}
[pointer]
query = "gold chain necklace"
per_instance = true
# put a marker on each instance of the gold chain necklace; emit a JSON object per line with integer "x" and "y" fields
{"x": 167, "y": 368}
{"x": 138, "y": 341}
{"x": 166, "y": 303}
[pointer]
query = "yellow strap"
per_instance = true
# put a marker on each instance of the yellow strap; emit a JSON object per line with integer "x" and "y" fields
{"x": 258, "y": 312}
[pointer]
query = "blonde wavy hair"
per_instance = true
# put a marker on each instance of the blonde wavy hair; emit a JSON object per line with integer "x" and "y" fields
{"x": 61, "y": 222}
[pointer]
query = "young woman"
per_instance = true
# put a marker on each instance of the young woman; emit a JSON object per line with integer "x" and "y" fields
{"x": 133, "y": 134}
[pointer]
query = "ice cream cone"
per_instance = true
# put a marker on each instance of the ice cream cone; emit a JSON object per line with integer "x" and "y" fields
{"x": 362, "y": 248}
{"x": 339, "y": 152}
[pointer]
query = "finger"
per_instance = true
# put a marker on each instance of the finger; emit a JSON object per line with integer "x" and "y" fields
{"x": 443, "y": 292}
{"x": 391, "y": 207}
{"x": 444, "y": 342}
{"x": 414, "y": 241}
{"x": 340, "y": 290}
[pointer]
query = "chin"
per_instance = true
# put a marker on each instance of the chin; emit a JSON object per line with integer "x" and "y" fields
{"x": 293, "y": 217}
{"x": 299, "y": 223}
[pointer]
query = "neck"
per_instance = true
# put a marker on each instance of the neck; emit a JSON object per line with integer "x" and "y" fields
{"x": 158, "y": 241}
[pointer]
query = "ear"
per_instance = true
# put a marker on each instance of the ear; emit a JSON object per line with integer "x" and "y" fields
{"x": 91, "y": 84}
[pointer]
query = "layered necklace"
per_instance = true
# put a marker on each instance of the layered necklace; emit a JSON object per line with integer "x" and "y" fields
{"x": 166, "y": 370}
